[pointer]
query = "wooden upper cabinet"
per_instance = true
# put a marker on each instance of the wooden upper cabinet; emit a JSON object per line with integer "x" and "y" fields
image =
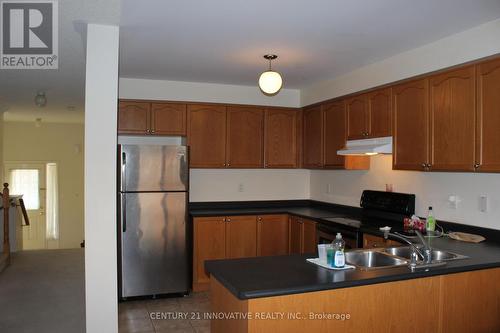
{"x": 245, "y": 137}
{"x": 168, "y": 119}
{"x": 335, "y": 133}
{"x": 207, "y": 135}
{"x": 241, "y": 236}
{"x": 379, "y": 117}
{"x": 280, "y": 147}
{"x": 209, "y": 243}
{"x": 452, "y": 116}
{"x": 134, "y": 117}
{"x": 313, "y": 137}
{"x": 411, "y": 125}
{"x": 272, "y": 235}
{"x": 357, "y": 117}
{"x": 488, "y": 117}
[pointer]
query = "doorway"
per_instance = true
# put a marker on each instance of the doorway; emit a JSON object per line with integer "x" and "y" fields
{"x": 37, "y": 183}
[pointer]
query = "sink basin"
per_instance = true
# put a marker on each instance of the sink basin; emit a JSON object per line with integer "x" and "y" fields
{"x": 364, "y": 259}
{"x": 437, "y": 255}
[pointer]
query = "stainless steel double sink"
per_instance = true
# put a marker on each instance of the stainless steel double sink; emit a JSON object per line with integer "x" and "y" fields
{"x": 392, "y": 257}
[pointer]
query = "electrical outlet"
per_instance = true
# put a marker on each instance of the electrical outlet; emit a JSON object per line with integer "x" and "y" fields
{"x": 241, "y": 188}
{"x": 483, "y": 203}
{"x": 328, "y": 188}
{"x": 453, "y": 201}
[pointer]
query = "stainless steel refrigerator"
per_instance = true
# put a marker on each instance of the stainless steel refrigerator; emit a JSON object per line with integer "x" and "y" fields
{"x": 153, "y": 195}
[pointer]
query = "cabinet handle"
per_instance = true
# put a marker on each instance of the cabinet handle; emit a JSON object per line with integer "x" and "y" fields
{"x": 152, "y": 131}
{"x": 229, "y": 164}
{"x": 428, "y": 165}
{"x": 224, "y": 164}
{"x": 224, "y": 219}
{"x": 228, "y": 220}
{"x": 477, "y": 165}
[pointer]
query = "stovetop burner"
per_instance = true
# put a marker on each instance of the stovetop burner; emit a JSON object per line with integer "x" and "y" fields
{"x": 354, "y": 223}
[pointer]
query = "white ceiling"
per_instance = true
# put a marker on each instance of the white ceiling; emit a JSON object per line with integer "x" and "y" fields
{"x": 65, "y": 86}
{"x": 222, "y": 41}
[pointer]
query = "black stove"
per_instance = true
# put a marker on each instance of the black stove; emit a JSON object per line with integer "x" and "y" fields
{"x": 378, "y": 209}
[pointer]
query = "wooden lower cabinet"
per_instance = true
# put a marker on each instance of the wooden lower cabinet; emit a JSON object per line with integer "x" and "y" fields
{"x": 241, "y": 236}
{"x": 302, "y": 235}
{"x": 272, "y": 235}
{"x": 209, "y": 242}
{"x": 466, "y": 302}
{"x": 371, "y": 241}
{"x": 229, "y": 237}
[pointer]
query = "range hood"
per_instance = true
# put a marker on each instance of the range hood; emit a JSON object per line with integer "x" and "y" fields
{"x": 373, "y": 146}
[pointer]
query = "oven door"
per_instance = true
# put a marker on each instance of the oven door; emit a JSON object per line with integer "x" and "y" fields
{"x": 326, "y": 234}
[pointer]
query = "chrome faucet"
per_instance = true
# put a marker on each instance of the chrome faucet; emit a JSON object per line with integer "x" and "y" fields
{"x": 426, "y": 255}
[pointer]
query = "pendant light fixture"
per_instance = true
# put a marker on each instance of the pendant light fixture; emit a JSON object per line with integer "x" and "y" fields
{"x": 270, "y": 82}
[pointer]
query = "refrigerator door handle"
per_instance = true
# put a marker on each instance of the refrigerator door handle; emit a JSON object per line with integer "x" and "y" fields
{"x": 124, "y": 211}
{"x": 123, "y": 184}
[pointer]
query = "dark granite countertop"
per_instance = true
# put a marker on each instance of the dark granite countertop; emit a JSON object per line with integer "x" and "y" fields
{"x": 283, "y": 275}
{"x": 306, "y": 212}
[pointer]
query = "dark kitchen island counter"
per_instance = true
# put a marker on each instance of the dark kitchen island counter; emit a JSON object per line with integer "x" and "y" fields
{"x": 291, "y": 274}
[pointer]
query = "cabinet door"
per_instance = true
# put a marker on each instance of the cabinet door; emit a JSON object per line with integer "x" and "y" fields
{"x": 357, "y": 117}
{"x": 295, "y": 232}
{"x": 313, "y": 137}
{"x": 241, "y": 236}
{"x": 272, "y": 235}
{"x": 452, "y": 107}
{"x": 134, "y": 117}
{"x": 245, "y": 137}
{"x": 280, "y": 146}
{"x": 207, "y": 136}
{"x": 309, "y": 244}
{"x": 168, "y": 119}
{"x": 335, "y": 133}
{"x": 379, "y": 119}
{"x": 411, "y": 125}
{"x": 488, "y": 117}
{"x": 209, "y": 243}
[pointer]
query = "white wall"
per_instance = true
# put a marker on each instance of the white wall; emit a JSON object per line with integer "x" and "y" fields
{"x": 54, "y": 142}
{"x": 204, "y": 92}
{"x": 465, "y": 46}
{"x": 257, "y": 184}
{"x": 101, "y": 94}
{"x": 431, "y": 189}
{"x": 223, "y": 185}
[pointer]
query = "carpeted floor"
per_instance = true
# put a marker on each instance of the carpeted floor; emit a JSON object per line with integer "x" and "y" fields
{"x": 43, "y": 291}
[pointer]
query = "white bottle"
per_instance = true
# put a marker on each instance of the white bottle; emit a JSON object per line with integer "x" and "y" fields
{"x": 338, "y": 251}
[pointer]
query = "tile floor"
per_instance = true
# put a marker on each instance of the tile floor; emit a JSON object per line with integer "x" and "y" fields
{"x": 135, "y": 316}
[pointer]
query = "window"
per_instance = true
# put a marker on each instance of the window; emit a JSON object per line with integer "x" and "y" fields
{"x": 25, "y": 182}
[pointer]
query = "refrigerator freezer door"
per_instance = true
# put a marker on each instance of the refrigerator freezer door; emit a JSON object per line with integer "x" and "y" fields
{"x": 149, "y": 168}
{"x": 154, "y": 246}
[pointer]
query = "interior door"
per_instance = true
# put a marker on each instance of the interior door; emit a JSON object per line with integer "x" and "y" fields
{"x": 28, "y": 180}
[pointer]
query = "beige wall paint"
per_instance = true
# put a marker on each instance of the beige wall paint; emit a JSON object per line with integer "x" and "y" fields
{"x": 431, "y": 189}
{"x": 248, "y": 184}
{"x": 54, "y": 143}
